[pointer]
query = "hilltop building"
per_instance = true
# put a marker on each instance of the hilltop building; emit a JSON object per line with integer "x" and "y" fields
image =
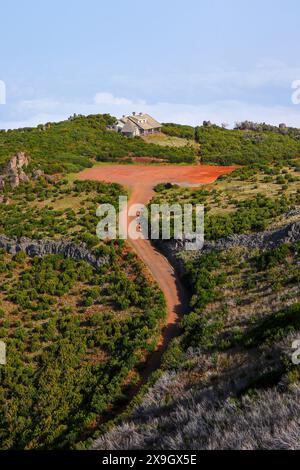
{"x": 137, "y": 125}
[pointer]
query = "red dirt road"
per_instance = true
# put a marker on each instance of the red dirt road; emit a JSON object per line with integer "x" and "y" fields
{"x": 141, "y": 179}
{"x": 162, "y": 271}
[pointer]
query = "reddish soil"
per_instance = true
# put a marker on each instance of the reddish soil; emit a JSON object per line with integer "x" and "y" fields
{"x": 149, "y": 176}
{"x": 141, "y": 180}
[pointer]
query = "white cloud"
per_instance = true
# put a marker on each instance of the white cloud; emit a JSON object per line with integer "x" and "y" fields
{"x": 2, "y": 92}
{"x": 111, "y": 100}
{"x": 33, "y": 112}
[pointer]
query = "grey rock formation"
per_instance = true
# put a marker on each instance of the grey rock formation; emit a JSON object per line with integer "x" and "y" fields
{"x": 49, "y": 247}
{"x": 17, "y": 162}
{"x": 294, "y": 212}
{"x": 289, "y": 233}
{"x": 14, "y": 172}
{"x": 264, "y": 240}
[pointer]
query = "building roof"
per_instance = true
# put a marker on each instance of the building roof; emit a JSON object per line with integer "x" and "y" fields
{"x": 129, "y": 127}
{"x": 144, "y": 121}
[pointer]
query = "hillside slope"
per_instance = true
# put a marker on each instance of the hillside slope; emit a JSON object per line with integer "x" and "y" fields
{"x": 229, "y": 382}
{"x": 77, "y": 143}
{"x": 79, "y": 316}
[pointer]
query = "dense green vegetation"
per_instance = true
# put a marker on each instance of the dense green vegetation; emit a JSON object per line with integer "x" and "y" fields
{"x": 244, "y": 300}
{"x": 76, "y": 336}
{"x": 248, "y": 200}
{"x": 245, "y": 304}
{"x": 249, "y": 143}
{"x": 179, "y": 130}
{"x": 77, "y": 143}
{"x": 251, "y": 215}
{"x": 243, "y": 147}
{"x": 278, "y": 268}
{"x": 57, "y": 210}
{"x": 229, "y": 381}
{"x": 200, "y": 329}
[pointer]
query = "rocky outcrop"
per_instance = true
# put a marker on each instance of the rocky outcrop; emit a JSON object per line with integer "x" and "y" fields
{"x": 50, "y": 247}
{"x": 17, "y": 162}
{"x": 290, "y": 233}
{"x": 13, "y": 172}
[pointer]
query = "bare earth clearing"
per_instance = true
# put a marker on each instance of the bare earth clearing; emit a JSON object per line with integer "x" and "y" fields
{"x": 141, "y": 179}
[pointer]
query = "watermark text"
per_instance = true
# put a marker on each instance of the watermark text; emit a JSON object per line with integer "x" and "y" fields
{"x": 296, "y": 94}
{"x": 156, "y": 222}
{"x": 296, "y": 353}
{"x": 2, "y": 92}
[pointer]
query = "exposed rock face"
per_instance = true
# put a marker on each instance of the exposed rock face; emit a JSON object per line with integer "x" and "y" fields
{"x": 14, "y": 171}
{"x": 290, "y": 233}
{"x": 50, "y": 247}
{"x": 264, "y": 240}
{"x": 16, "y": 174}
{"x": 17, "y": 162}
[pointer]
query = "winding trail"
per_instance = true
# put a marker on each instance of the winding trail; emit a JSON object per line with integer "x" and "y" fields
{"x": 177, "y": 299}
{"x": 141, "y": 179}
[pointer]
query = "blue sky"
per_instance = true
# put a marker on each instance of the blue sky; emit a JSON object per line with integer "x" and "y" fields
{"x": 181, "y": 61}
